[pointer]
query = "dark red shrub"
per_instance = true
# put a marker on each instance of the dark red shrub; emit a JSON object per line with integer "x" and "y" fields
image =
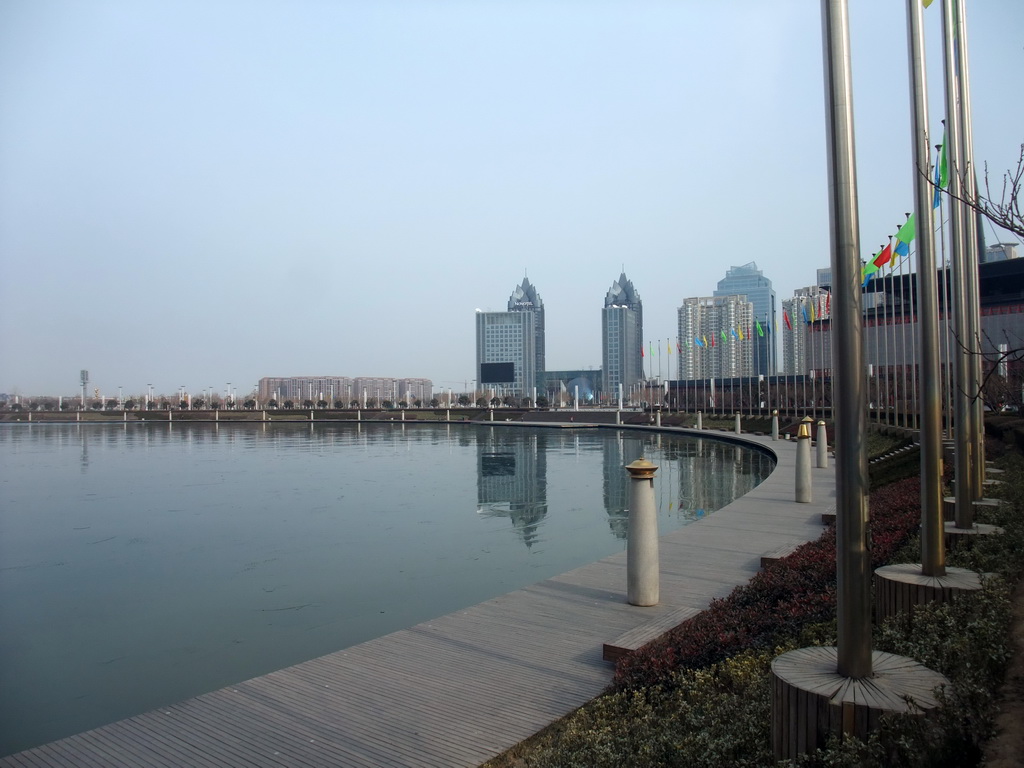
{"x": 777, "y": 602}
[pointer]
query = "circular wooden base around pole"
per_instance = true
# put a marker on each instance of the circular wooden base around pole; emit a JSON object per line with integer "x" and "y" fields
{"x": 965, "y": 537}
{"x": 949, "y": 506}
{"x": 811, "y": 701}
{"x": 902, "y": 587}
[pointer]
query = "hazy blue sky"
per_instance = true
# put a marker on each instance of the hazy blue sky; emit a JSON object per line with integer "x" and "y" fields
{"x": 193, "y": 193}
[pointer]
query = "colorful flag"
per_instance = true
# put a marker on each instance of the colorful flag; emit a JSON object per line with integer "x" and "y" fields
{"x": 868, "y": 271}
{"x": 828, "y": 303}
{"x": 902, "y": 248}
{"x": 943, "y": 165}
{"x": 937, "y": 195}
{"x": 706, "y": 340}
{"x": 712, "y": 340}
{"x": 806, "y": 318}
{"x": 908, "y": 231}
{"x": 697, "y": 341}
{"x": 883, "y": 256}
{"x": 814, "y": 315}
{"x": 723, "y": 336}
{"x": 785, "y": 319}
{"x": 669, "y": 343}
{"x": 760, "y": 330}
{"x": 732, "y": 332}
{"x": 741, "y": 333}
{"x": 641, "y": 350}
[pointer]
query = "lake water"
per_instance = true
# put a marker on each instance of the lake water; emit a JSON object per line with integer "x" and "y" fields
{"x": 142, "y": 564}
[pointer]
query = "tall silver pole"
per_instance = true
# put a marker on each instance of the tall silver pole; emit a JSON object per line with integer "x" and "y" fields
{"x": 853, "y": 560}
{"x": 933, "y": 555}
{"x": 964, "y": 495}
{"x": 971, "y": 256}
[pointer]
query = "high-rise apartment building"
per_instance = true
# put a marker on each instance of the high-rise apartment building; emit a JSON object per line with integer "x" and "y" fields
{"x": 717, "y": 337}
{"x": 526, "y": 299}
{"x": 622, "y": 328}
{"x": 749, "y": 281}
{"x": 806, "y": 304}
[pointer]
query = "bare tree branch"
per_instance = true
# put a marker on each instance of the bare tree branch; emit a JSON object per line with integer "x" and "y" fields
{"x": 1007, "y": 213}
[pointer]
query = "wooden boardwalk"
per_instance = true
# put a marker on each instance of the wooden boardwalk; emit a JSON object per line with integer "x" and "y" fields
{"x": 462, "y": 688}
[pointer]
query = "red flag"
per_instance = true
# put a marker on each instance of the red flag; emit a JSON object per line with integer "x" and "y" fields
{"x": 785, "y": 316}
{"x": 641, "y": 350}
{"x": 828, "y": 303}
{"x": 883, "y": 256}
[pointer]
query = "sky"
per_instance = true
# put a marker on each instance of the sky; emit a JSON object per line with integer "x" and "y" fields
{"x": 196, "y": 192}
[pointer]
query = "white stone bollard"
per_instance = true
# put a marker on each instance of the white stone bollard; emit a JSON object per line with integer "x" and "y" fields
{"x": 657, "y": 419}
{"x": 448, "y": 415}
{"x": 618, "y": 417}
{"x": 490, "y": 415}
{"x": 803, "y": 462}
{"x": 642, "y": 577}
{"x": 700, "y": 420}
{"x": 822, "y": 446}
{"x": 403, "y": 415}
{"x": 775, "y": 425}
{"x": 359, "y": 415}
{"x": 738, "y": 428}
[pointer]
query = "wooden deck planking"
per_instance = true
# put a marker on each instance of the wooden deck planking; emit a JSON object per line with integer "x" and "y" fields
{"x": 458, "y": 689}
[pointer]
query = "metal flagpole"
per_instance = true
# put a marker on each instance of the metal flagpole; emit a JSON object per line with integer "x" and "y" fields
{"x": 933, "y": 555}
{"x": 962, "y": 418}
{"x": 945, "y": 309}
{"x": 885, "y": 340}
{"x": 903, "y": 345}
{"x": 852, "y": 549}
{"x": 971, "y": 257}
{"x": 915, "y": 408}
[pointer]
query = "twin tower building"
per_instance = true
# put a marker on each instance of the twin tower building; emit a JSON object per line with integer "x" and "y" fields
{"x": 510, "y": 345}
{"x": 729, "y": 334}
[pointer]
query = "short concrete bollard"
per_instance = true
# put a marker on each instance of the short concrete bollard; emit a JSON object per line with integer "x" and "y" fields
{"x": 822, "y": 445}
{"x": 775, "y": 425}
{"x": 403, "y": 415}
{"x": 490, "y": 415}
{"x": 618, "y": 417}
{"x": 803, "y": 462}
{"x": 657, "y": 419}
{"x": 447, "y": 415}
{"x": 642, "y": 578}
{"x": 359, "y": 415}
{"x": 736, "y": 425}
{"x": 700, "y": 420}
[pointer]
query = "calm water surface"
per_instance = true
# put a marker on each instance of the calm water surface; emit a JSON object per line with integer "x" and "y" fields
{"x": 144, "y": 564}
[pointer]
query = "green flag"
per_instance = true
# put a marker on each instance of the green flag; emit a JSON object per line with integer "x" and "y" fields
{"x": 907, "y": 231}
{"x": 943, "y": 165}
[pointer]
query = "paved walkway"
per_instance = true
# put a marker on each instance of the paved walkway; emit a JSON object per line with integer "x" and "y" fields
{"x": 460, "y": 689}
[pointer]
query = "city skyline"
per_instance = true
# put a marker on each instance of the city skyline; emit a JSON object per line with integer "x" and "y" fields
{"x": 180, "y": 208}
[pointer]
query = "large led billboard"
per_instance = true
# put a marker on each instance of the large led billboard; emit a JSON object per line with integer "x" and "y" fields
{"x": 497, "y": 373}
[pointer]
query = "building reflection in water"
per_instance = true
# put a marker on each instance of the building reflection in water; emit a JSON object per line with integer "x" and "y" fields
{"x": 618, "y": 453}
{"x": 695, "y": 477}
{"x": 704, "y": 482}
{"x": 512, "y": 479}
